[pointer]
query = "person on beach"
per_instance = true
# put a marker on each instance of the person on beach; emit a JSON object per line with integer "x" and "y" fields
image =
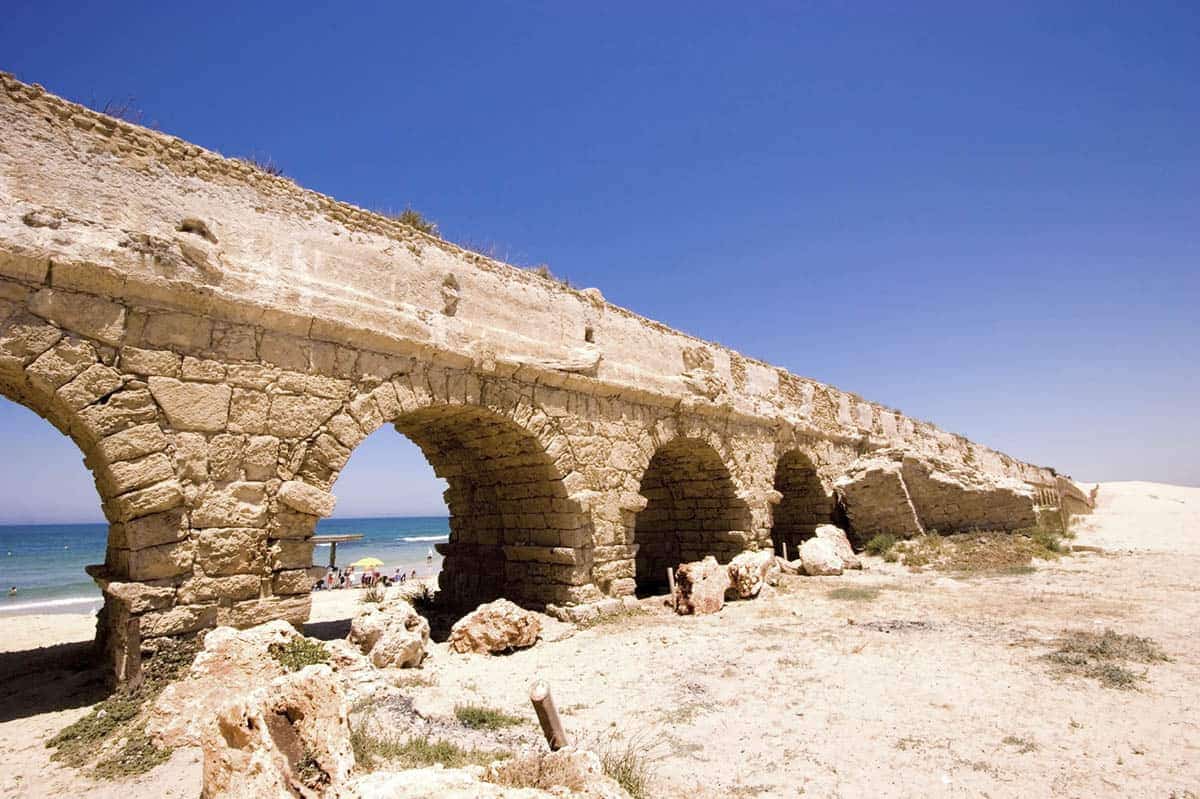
{"x": 12, "y": 591}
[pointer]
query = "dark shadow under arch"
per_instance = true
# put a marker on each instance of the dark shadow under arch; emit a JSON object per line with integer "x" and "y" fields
{"x": 514, "y": 532}
{"x": 693, "y": 511}
{"x": 805, "y": 503}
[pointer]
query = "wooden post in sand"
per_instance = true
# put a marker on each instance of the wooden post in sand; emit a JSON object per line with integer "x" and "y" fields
{"x": 671, "y": 582}
{"x": 785, "y": 557}
{"x": 543, "y": 705}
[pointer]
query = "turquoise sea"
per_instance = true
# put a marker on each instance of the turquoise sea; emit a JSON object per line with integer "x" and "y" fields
{"x": 44, "y": 562}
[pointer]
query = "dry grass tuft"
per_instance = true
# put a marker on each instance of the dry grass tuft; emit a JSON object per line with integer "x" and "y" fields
{"x": 989, "y": 551}
{"x": 851, "y": 594}
{"x": 1101, "y": 656}
{"x": 478, "y": 717}
{"x": 372, "y": 750}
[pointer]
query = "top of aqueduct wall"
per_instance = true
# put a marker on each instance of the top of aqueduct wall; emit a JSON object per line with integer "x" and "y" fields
{"x": 135, "y": 214}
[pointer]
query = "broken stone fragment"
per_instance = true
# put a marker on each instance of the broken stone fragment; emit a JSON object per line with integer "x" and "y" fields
{"x": 288, "y": 738}
{"x": 841, "y": 545}
{"x": 392, "y": 634}
{"x": 700, "y": 587}
{"x": 498, "y": 626}
{"x": 818, "y": 557}
{"x": 750, "y": 571}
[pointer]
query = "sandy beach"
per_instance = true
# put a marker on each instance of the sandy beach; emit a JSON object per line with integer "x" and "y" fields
{"x": 936, "y": 684}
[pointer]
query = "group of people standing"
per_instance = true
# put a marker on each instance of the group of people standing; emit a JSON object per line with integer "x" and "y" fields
{"x": 336, "y": 577}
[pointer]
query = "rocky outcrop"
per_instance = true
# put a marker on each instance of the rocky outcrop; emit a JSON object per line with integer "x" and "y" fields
{"x": 700, "y": 586}
{"x": 289, "y": 738}
{"x": 498, "y": 626}
{"x": 233, "y": 662}
{"x": 392, "y": 634}
{"x": 841, "y": 545}
{"x": 819, "y": 558}
{"x": 750, "y": 571}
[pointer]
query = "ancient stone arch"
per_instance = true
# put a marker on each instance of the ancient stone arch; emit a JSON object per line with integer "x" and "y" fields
{"x": 693, "y": 510}
{"x": 805, "y": 501}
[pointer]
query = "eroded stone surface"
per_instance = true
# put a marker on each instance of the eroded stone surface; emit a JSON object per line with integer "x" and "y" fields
{"x": 391, "y": 633}
{"x": 700, "y": 587}
{"x": 819, "y": 558}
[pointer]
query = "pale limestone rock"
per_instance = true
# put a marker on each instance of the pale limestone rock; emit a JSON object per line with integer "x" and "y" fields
{"x": 498, "y": 626}
{"x": 841, "y": 545}
{"x": 392, "y": 634}
{"x": 91, "y": 384}
{"x": 301, "y": 496}
{"x": 819, "y": 558}
{"x": 192, "y": 406}
{"x": 285, "y": 739}
{"x": 750, "y": 571}
{"x": 133, "y": 443}
{"x": 700, "y": 586}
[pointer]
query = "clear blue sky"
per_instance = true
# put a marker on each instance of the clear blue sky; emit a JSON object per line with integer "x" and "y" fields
{"x": 986, "y": 215}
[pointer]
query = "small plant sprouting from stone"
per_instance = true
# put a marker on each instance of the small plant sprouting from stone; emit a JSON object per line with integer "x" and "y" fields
{"x": 264, "y": 163}
{"x": 309, "y": 770}
{"x": 373, "y": 594}
{"x": 415, "y": 219}
{"x": 631, "y": 763}
{"x": 298, "y": 653}
{"x": 1101, "y": 656}
{"x": 477, "y": 717}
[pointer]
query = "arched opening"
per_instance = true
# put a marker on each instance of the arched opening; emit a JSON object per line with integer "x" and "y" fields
{"x": 51, "y": 523}
{"x": 805, "y": 504}
{"x": 513, "y": 532}
{"x": 693, "y": 511}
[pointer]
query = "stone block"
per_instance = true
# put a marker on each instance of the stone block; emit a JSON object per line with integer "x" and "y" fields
{"x": 139, "y": 597}
{"x": 180, "y": 330}
{"x": 84, "y": 314}
{"x": 248, "y": 411}
{"x": 61, "y": 364}
{"x": 201, "y": 588}
{"x": 239, "y": 504}
{"x": 225, "y": 456}
{"x": 91, "y": 384}
{"x": 192, "y": 406}
{"x": 260, "y": 457}
{"x": 292, "y": 609}
{"x": 293, "y": 581}
{"x": 135, "y": 442}
{"x": 151, "y": 531}
{"x": 202, "y": 370}
{"x": 145, "y": 501}
{"x": 160, "y": 562}
{"x": 191, "y": 457}
{"x": 124, "y": 409}
{"x": 290, "y": 554}
{"x": 178, "y": 620}
{"x": 163, "y": 363}
{"x": 297, "y": 416}
{"x": 235, "y": 550}
{"x": 302, "y": 497}
{"x": 124, "y": 476}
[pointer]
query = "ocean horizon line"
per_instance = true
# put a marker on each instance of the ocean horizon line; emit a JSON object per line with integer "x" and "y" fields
{"x": 330, "y": 519}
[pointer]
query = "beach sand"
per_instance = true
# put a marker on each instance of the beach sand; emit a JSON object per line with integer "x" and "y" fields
{"x": 936, "y": 686}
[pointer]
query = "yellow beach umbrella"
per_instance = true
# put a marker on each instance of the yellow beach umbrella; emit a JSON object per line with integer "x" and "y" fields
{"x": 367, "y": 563}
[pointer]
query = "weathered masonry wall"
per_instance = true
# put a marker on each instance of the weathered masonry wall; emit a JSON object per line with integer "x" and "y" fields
{"x": 217, "y": 341}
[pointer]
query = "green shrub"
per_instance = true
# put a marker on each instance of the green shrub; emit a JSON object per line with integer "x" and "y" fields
{"x": 415, "y": 219}
{"x": 477, "y": 717}
{"x": 370, "y": 750}
{"x": 881, "y": 544}
{"x": 298, "y": 653}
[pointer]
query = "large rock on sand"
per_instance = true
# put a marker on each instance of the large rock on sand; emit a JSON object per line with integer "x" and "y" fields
{"x": 392, "y": 634}
{"x": 841, "y": 545}
{"x": 700, "y": 586}
{"x": 497, "y": 626}
{"x": 750, "y": 571}
{"x": 819, "y": 557}
{"x": 289, "y": 738}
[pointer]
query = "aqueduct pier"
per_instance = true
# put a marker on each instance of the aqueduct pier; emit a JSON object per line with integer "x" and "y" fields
{"x": 218, "y": 340}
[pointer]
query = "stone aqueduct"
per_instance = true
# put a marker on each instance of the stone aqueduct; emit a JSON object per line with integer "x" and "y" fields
{"x": 217, "y": 341}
